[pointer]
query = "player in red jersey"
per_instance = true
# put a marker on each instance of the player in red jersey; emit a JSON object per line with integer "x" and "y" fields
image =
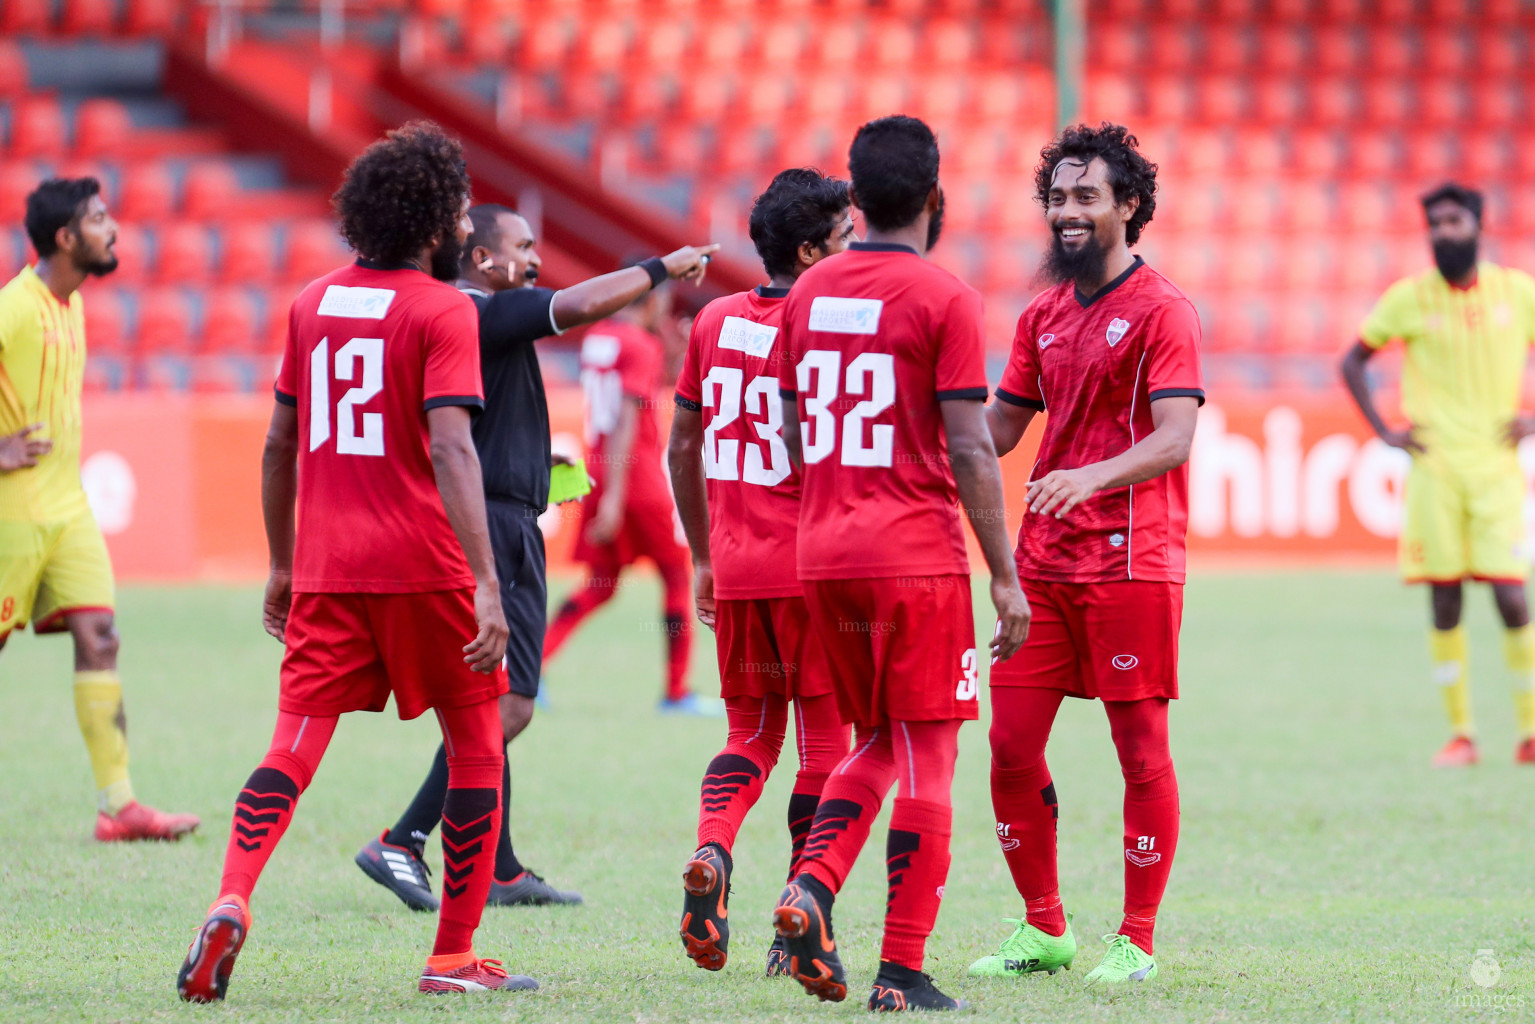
{"x": 1112, "y": 351}
{"x": 884, "y": 380}
{"x": 386, "y": 582}
{"x": 738, "y": 496}
{"x": 629, "y": 515}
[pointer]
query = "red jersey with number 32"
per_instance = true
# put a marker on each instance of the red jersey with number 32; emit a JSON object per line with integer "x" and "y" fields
{"x": 369, "y": 352}
{"x": 622, "y": 361}
{"x": 875, "y": 338}
{"x": 1096, "y": 366}
{"x": 730, "y": 375}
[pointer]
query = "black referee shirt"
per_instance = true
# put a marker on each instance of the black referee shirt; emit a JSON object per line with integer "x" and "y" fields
{"x": 512, "y": 434}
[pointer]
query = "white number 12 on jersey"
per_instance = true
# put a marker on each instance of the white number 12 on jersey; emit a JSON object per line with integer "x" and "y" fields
{"x": 370, "y": 353}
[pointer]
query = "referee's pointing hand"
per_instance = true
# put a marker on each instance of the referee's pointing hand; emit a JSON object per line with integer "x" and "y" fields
{"x": 689, "y": 262}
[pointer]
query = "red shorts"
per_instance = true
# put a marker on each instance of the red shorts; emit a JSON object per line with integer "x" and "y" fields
{"x": 650, "y": 531}
{"x": 900, "y": 647}
{"x": 348, "y": 652}
{"x": 766, "y": 646}
{"x": 1112, "y": 641}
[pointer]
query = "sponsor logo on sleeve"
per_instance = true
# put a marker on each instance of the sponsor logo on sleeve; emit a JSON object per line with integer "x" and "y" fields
{"x": 1116, "y": 332}
{"x": 356, "y": 303}
{"x": 837, "y": 315}
{"x": 742, "y": 335}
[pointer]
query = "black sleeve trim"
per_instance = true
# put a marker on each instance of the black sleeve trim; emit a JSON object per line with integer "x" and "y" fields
{"x": 283, "y": 398}
{"x": 974, "y": 393}
{"x": 1179, "y": 393}
{"x": 474, "y": 402}
{"x": 787, "y": 393}
{"x": 1027, "y": 403}
{"x": 688, "y": 404}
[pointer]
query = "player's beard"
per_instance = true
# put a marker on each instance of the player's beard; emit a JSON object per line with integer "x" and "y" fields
{"x": 1085, "y": 263}
{"x": 100, "y": 267}
{"x": 1455, "y": 259}
{"x": 935, "y": 223}
{"x": 445, "y": 260}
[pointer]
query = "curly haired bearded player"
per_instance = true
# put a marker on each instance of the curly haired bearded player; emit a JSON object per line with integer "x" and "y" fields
{"x": 1112, "y": 351}
{"x": 386, "y": 583}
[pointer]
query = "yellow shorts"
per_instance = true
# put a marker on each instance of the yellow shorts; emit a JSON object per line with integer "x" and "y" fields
{"x": 50, "y": 569}
{"x": 1463, "y": 518}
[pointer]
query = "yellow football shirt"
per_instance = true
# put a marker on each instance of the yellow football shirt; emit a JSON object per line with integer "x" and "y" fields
{"x": 1465, "y": 353}
{"x": 42, "y": 369}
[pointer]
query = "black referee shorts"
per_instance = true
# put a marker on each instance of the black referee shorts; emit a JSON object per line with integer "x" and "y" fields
{"x": 518, "y": 545}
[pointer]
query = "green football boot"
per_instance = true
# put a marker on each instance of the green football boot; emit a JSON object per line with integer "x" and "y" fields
{"x": 1125, "y": 961}
{"x": 1028, "y": 949}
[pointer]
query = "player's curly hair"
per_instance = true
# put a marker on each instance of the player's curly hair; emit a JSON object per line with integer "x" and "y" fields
{"x": 1130, "y": 173}
{"x": 800, "y": 205}
{"x": 402, "y": 192}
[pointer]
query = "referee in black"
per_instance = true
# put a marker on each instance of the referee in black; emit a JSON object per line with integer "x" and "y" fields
{"x": 499, "y": 272}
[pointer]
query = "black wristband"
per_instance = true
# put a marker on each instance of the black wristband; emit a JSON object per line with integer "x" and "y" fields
{"x": 656, "y": 269}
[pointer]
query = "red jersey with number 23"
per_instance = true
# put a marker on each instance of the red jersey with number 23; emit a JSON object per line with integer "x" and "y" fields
{"x": 369, "y": 351}
{"x": 875, "y": 338}
{"x": 1095, "y": 366}
{"x": 730, "y": 375}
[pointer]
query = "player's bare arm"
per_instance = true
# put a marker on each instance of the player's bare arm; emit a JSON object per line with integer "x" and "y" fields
{"x": 1520, "y": 427}
{"x": 601, "y": 297}
{"x": 791, "y": 433}
{"x": 979, "y": 481}
{"x": 279, "y": 490}
{"x": 684, "y": 457}
{"x": 1165, "y": 448}
{"x": 21, "y": 450}
{"x": 615, "y": 482}
{"x": 1353, "y": 369}
{"x": 1007, "y": 423}
{"x": 463, "y": 498}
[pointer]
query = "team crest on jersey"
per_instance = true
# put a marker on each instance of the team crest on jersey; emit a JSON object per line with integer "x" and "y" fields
{"x": 1045, "y": 340}
{"x": 1116, "y": 331}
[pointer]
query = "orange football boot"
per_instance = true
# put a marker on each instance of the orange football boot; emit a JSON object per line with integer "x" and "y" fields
{"x": 1460, "y": 752}
{"x": 136, "y": 821}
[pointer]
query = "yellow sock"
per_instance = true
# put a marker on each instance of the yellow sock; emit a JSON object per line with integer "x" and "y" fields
{"x": 99, "y": 709}
{"x": 1448, "y": 649}
{"x": 1519, "y": 651}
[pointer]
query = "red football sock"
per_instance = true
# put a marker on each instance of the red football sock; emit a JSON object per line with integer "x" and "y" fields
{"x": 677, "y": 608}
{"x": 849, "y": 804}
{"x": 917, "y": 849}
{"x": 471, "y": 820}
{"x": 266, "y": 803}
{"x": 733, "y": 781}
{"x": 1023, "y": 797}
{"x": 1151, "y": 810}
{"x": 822, "y": 739}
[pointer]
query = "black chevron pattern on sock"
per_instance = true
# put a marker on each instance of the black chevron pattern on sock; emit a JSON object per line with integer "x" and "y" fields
{"x": 1048, "y": 796}
{"x": 467, "y": 818}
{"x": 802, "y": 808}
{"x": 268, "y": 797}
{"x": 899, "y": 847}
{"x": 726, "y": 776}
{"x": 832, "y": 817}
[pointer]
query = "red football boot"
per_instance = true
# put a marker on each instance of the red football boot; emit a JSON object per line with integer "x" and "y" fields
{"x": 136, "y": 821}
{"x": 473, "y": 976}
{"x": 1525, "y": 752}
{"x": 204, "y": 976}
{"x": 1460, "y": 752}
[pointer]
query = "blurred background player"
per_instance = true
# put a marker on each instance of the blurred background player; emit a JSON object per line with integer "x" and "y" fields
{"x": 388, "y": 584}
{"x": 54, "y": 567}
{"x": 883, "y": 354}
{"x": 629, "y": 514}
{"x": 738, "y": 498}
{"x": 1112, "y": 350}
{"x": 1467, "y": 326}
{"x": 499, "y": 271}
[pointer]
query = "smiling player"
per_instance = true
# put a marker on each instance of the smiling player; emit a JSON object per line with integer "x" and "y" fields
{"x": 1112, "y": 351}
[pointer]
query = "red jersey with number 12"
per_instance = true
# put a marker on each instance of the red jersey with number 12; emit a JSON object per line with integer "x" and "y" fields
{"x": 874, "y": 339}
{"x": 369, "y": 352}
{"x": 1097, "y": 365}
{"x": 730, "y": 374}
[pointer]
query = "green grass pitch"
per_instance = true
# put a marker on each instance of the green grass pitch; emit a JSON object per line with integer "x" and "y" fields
{"x": 1325, "y": 872}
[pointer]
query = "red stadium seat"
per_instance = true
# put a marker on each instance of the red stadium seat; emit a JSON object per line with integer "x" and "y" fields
{"x": 1432, "y": 158}
{"x": 1229, "y": 48}
{"x": 37, "y": 127}
{"x": 24, "y": 17}
{"x": 105, "y": 321}
{"x": 1308, "y": 208}
{"x": 707, "y": 101}
{"x": 948, "y": 43}
{"x": 1497, "y": 104}
{"x": 88, "y": 17}
{"x": 1260, "y": 154}
{"x": 164, "y": 321}
{"x": 881, "y": 94}
{"x": 1333, "y": 101}
{"x": 590, "y": 94}
{"x": 1498, "y": 53}
{"x": 102, "y": 127}
{"x": 662, "y": 44}
{"x": 545, "y": 45}
{"x": 312, "y": 249}
{"x": 231, "y": 323}
{"x": 1110, "y": 98}
{"x": 1392, "y": 50}
{"x": 680, "y": 146}
{"x": 1278, "y": 101}
{"x": 17, "y": 180}
{"x": 210, "y": 190}
{"x": 1222, "y": 100}
{"x": 602, "y": 45}
{"x": 720, "y": 44}
{"x": 781, "y": 44}
{"x": 247, "y": 253}
{"x": 1172, "y": 47}
{"x": 1169, "y": 100}
{"x": 1389, "y": 101}
{"x": 825, "y": 97}
{"x": 941, "y": 99}
{"x": 1335, "y": 51}
{"x": 1368, "y": 209}
{"x": 891, "y": 43}
{"x": 132, "y": 251}
{"x": 183, "y": 254}
{"x": 1283, "y": 49}
{"x": 1447, "y": 53}
{"x": 1374, "y": 155}
{"x": 13, "y": 69}
{"x": 149, "y": 17}
{"x": 766, "y": 99}
{"x": 147, "y": 193}
{"x": 836, "y": 45}
{"x": 1307, "y": 266}
{"x": 1315, "y": 153}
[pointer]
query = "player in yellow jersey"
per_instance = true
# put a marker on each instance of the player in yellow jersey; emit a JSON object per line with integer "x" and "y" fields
{"x": 54, "y": 569}
{"x": 1467, "y": 326}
